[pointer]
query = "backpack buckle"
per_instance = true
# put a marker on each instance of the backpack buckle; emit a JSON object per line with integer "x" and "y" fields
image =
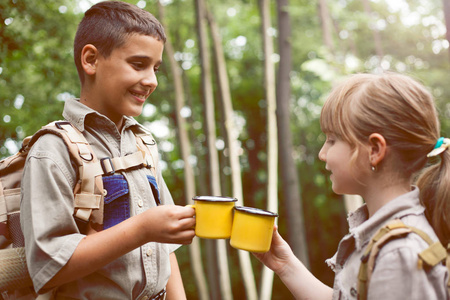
{"x": 59, "y": 124}
{"x": 107, "y": 170}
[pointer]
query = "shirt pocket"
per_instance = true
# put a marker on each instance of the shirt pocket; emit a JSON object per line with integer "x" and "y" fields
{"x": 116, "y": 201}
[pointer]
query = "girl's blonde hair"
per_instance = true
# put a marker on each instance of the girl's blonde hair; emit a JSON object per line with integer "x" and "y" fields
{"x": 402, "y": 110}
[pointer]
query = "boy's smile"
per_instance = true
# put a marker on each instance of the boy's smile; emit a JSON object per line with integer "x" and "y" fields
{"x": 120, "y": 83}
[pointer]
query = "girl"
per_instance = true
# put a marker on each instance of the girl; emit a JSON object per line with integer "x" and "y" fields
{"x": 379, "y": 130}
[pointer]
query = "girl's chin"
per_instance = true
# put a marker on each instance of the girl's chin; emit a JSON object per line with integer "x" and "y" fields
{"x": 336, "y": 190}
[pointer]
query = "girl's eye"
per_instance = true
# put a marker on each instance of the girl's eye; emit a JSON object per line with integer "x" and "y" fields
{"x": 156, "y": 69}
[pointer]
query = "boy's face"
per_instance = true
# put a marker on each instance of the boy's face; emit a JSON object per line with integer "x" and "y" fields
{"x": 124, "y": 80}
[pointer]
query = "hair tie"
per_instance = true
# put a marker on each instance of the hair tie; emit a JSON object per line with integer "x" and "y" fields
{"x": 441, "y": 145}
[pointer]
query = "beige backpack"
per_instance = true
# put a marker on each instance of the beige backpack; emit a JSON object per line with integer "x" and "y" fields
{"x": 88, "y": 193}
{"x": 430, "y": 257}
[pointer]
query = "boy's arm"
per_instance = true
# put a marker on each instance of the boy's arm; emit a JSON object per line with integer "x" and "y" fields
{"x": 175, "y": 289}
{"x": 164, "y": 224}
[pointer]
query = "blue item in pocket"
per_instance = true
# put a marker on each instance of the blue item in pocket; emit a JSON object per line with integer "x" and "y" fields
{"x": 117, "y": 200}
{"x": 155, "y": 190}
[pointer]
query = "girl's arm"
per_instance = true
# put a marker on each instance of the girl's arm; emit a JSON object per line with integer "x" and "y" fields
{"x": 175, "y": 289}
{"x": 297, "y": 278}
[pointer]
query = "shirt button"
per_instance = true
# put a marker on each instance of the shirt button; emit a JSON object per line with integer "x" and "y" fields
{"x": 353, "y": 292}
{"x": 149, "y": 252}
{"x": 140, "y": 203}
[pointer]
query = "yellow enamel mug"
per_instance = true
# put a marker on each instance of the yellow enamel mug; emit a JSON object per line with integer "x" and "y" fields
{"x": 252, "y": 229}
{"x": 213, "y": 216}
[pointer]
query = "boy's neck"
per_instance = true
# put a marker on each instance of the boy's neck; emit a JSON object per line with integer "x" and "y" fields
{"x": 88, "y": 101}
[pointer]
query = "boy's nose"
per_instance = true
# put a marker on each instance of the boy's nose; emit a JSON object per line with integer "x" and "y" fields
{"x": 150, "y": 80}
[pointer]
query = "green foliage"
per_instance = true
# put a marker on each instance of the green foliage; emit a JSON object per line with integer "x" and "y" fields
{"x": 36, "y": 65}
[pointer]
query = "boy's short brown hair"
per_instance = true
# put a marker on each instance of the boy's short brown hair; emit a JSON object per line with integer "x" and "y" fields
{"x": 107, "y": 24}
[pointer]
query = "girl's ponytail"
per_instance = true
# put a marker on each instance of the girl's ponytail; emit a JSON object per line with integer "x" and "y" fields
{"x": 434, "y": 185}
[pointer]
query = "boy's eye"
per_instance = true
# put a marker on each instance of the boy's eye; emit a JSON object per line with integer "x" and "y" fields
{"x": 138, "y": 65}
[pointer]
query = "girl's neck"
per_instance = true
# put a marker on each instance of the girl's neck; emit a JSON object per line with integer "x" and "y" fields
{"x": 380, "y": 194}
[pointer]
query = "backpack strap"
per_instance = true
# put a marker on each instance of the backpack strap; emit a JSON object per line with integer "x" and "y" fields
{"x": 88, "y": 191}
{"x": 10, "y": 178}
{"x": 3, "y": 216}
{"x": 430, "y": 257}
{"x": 3, "y": 211}
{"x": 10, "y": 181}
{"x": 146, "y": 144}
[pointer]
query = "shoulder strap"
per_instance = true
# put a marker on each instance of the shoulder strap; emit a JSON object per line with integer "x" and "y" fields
{"x": 88, "y": 191}
{"x": 146, "y": 144}
{"x": 3, "y": 218}
{"x": 431, "y": 256}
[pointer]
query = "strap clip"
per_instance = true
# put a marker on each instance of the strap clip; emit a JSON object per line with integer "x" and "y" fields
{"x": 107, "y": 171}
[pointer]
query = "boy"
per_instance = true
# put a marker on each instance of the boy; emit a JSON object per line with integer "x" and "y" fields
{"x": 118, "y": 50}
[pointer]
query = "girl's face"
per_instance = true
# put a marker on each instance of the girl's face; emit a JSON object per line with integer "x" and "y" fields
{"x": 346, "y": 175}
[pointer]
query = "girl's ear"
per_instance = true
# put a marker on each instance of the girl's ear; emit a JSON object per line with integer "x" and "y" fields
{"x": 89, "y": 57}
{"x": 377, "y": 144}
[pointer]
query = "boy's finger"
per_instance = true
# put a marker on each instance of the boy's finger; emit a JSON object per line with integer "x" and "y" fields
{"x": 187, "y": 211}
{"x": 187, "y": 223}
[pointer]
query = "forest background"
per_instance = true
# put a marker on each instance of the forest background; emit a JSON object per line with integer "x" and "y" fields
{"x": 237, "y": 108}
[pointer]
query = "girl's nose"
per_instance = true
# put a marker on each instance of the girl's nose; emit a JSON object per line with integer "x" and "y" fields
{"x": 322, "y": 154}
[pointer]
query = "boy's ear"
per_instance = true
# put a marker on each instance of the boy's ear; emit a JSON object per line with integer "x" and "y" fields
{"x": 89, "y": 57}
{"x": 377, "y": 144}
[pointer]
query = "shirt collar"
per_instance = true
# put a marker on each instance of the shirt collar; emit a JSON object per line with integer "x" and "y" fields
{"x": 362, "y": 228}
{"x": 79, "y": 114}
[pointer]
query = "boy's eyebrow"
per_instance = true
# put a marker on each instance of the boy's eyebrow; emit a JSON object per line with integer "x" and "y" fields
{"x": 143, "y": 57}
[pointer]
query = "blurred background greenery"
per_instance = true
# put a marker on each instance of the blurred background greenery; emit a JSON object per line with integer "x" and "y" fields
{"x": 37, "y": 75}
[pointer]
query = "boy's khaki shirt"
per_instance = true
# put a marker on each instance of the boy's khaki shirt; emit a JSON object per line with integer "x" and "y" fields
{"x": 396, "y": 275}
{"x": 50, "y": 231}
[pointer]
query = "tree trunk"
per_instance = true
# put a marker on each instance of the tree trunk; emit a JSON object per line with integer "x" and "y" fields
{"x": 233, "y": 148}
{"x": 325, "y": 22}
{"x": 288, "y": 168}
{"x": 189, "y": 180}
{"x": 223, "y": 284}
{"x": 350, "y": 39}
{"x": 352, "y": 202}
{"x": 272, "y": 151}
{"x": 446, "y": 8}
{"x": 375, "y": 32}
